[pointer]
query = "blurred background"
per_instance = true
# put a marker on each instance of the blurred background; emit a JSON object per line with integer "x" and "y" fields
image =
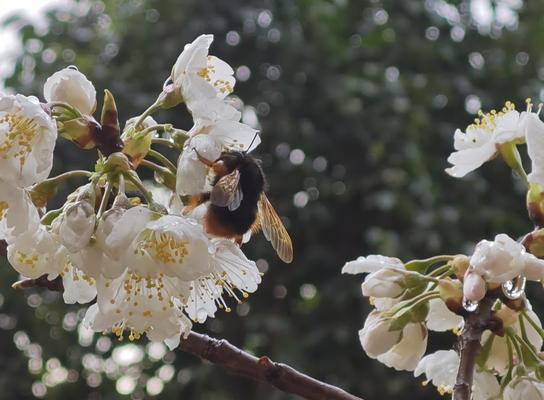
{"x": 357, "y": 101}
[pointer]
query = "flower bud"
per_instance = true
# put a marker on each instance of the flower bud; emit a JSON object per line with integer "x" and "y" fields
{"x": 117, "y": 162}
{"x": 498, "y": 261}
{"x": 460, "y": 265}
{"x": 82, "y": 131}
{"x": 534, "y": 268}
{"x": 535, "y": 204}
{"x": 77, "y": 225}
{"x": 387, "y": 282}
{"x": 474, "y": 287}
{"x": 534, "y": 242}
{"x": 105, "y": 226}
{"x": 450, "y": 290}
{"x": 72, "y": 87}
{"x": 377, "y": 337}
{"x": 136, "y": 143}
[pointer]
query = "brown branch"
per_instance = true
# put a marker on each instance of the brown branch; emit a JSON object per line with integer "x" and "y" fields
{"x": 475, "y": 324}
{"x": 264, "y": 370}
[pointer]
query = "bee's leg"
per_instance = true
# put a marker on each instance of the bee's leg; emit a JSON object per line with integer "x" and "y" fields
{"x": 194, "y": 202}
{"x": 203, "y": 160}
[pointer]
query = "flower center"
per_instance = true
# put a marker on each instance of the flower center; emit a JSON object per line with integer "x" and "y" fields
{"x": 21, "y": 132}
{"x": 221, "y": 85}
{"x": 162, "y": 247}
{"x": 488, "y": 121}
{"x": 26, "y": 259}
{"x": 138, "y": 293}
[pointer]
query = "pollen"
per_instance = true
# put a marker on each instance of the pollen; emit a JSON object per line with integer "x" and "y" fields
{"x": 488, "y": 121}
{"x": 3, "y": 209}
{"x": 162, "y": 247}
{"x": 19, "y": 138}
{"x": 29, "y": 260}
{"x": 444, "y": 390}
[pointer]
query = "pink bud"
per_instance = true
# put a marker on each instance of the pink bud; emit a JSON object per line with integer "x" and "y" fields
{"x": 474, "y": 287}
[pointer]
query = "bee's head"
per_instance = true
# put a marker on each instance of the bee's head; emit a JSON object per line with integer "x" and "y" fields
{"x": 232, "y": 158}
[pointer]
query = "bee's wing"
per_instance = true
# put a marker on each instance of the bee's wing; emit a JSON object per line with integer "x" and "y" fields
{"x": 227, "y": 191}
{"x": 274, "y": 231}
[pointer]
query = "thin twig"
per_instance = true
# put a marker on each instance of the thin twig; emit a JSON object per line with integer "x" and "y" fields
{"x": 264, "y": 370}
{"x": 475, "y": 324}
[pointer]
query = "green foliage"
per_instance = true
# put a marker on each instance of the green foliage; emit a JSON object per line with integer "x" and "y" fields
{"x": 358, "y": 101}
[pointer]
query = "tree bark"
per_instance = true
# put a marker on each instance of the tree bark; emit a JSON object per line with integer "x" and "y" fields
{"x": 264, "y": 370}
{"x": 475, "y": 324}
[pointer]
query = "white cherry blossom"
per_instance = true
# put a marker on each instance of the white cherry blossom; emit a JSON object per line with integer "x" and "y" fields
{"x": 27, "y": 140}
{"x": 198, "y": 75}
{"x": 498, "y": 261}
{"x": 133, "y": 306}
{"x": 441, "y": 369}
{"x": 480, "y": 141}
{"x": 70, "y": 86}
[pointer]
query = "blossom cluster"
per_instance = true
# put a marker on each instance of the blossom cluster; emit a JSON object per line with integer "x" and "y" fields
{"x": 443, "y": 292}
{"x": 150, "y": 265}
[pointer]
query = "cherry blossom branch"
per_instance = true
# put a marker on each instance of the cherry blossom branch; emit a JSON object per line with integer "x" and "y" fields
{"x": 469, "y": 342}
{"x": 232, "y": 359}
{"x": 264, "y": 370}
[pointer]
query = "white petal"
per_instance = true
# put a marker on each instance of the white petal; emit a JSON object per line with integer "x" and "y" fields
{"x": 467, "y": 160}
{"x": 406, "y": 354}
{"x": 485, "y": 386}
{"x": 17, "y": 213}
{"x": 192, "y": 173}
{"x": 440, "y": 318}
{"x": 78, "y": 287}
{"x": 371, "y": 263}
{"x": 535, "y": 148}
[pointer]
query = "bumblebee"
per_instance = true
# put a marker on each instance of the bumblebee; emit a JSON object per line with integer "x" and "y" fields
{"x": 238, "y": 203}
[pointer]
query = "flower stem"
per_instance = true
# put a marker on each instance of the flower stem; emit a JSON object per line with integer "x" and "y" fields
{"x": 105, "y": 199}
{"x": 440, "y": 271}
{"x": 136, "y": 182}
{"x": 535, "y": 326}
{"x": 508, "y": 377}
{"x": 164, "y": 161}
{"x": 475, "y": 324}
{"x": 66, "y": 106}
{"x": 152, "y": 108}
{"x": 164, "y": 142}
{"x": 70, "y": 174}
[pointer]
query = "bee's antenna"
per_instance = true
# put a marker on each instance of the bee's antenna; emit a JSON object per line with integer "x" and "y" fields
{"x": 252, "y": 141}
